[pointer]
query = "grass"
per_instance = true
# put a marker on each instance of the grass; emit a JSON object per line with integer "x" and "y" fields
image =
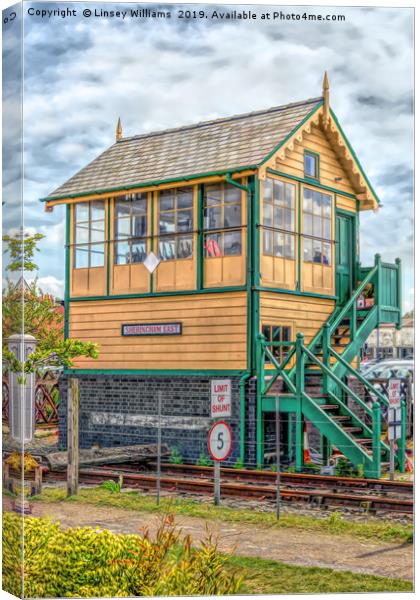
{"x": 334, "y": 524}
{"x": 271, "y": 577}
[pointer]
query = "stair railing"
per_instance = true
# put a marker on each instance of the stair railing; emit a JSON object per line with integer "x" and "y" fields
{"x": 265, "y": 352}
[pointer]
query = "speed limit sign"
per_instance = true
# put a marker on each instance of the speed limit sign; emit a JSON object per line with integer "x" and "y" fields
{"x": 219, "y": 442}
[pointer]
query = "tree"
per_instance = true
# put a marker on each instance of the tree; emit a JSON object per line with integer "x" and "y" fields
{"x": 27, "y": 309}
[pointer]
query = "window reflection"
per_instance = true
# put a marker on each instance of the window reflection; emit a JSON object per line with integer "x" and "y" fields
{"x": 278, "y": 218}
{"x": 222, "y": 212}
{"x": 175, "y": 217}
{"x": 130, "y": 228}
{"x": 89, "y": 234}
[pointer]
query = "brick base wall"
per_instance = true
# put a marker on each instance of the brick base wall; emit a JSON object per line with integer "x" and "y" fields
{"x": 118, "y": 410}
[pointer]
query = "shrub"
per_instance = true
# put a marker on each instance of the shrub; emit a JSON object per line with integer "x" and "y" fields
{"x": 176, "y": 457}
{"x": 87, "y": 562}
{"x": 239, "y": 464}
{"x": 204, "y": 461}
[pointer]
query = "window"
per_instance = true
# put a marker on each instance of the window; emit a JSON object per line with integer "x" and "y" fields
{"x": 130, "y": 229}
{"x": 89, "y": 235}
{"x": 317, "y": 214}
{"x": 278, "y": 333}
{"x": 311, "y": 165}
{"x": 176, "y": 223}
{"x": 223, "y": 219}
{"x": 278, "y": 219}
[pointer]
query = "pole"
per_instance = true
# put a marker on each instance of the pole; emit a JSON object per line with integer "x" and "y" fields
{"x": 73, "y": 437}
{"x": 277, "y": 459}
{"x": 392, "y": 457}
{"x": 216, "y": 482}
{"x": 159, "y": 448}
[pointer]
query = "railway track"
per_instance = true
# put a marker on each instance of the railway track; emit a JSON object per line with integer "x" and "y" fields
{"x": 370, "y": 494}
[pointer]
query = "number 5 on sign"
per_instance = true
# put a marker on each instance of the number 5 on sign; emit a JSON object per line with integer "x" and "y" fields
{"x": 219, "y": 442}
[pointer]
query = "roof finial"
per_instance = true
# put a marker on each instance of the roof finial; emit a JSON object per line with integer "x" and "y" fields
{"x": 326, "y": 96}
{"x": 118, "y": 131}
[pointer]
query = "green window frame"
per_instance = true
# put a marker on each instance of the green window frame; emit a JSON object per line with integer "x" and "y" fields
{"x": 279, "y": 217}
{"x": 130, "y": 228}
{"x": 317, "y": 227}
{"x": 222, "y": 223}
{"x": 176, "y": 223}
{"x": 278, "y": 333}
{"x": 89, "y": 235}
{"x": 311, "y": 164}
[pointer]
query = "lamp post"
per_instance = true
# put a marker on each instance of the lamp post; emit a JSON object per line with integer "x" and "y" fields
{"x": 22, "y": 390}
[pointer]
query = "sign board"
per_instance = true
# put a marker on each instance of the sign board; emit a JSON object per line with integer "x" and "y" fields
{"x": 219, "y": 441}
{"x": 394, "y": 423}
{"x": 152, "y": 262}
{"x": 145, "y": 329}
{"x": 221, "y": 398}
{"x": 394, "y": 395}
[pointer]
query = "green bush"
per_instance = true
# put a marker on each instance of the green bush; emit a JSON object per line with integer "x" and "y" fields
{"x": 176, "y": 457}
{"x": 86, "y": 562}
{"x": 204, "y": 461}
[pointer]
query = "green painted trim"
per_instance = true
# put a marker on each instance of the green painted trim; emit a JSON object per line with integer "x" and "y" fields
{"x": 352, "y": 152}
{"x": 229, "y": 180}
{"x": 249, "y": 270}
{"x": 299, "y": 239}
{"x": 67, "y": 274}
{"x": 159, "y": 294}
{"x": 152, "y": 233}
{"x": 317, "y": 164}
{"x": 200, "y": 237}
{"x": 298, "y": 126}
{"x": 343, "y": 211}
{"x": 152, "y": 372}
{"x": 156, "y": 182}
{"x": 296, "y": 293}
{"x": 108, "y": 248}
{"x": 312, "y": 182}
{"x": 242, "y": 440}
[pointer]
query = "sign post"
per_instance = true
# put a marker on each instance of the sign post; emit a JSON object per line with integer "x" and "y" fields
{"x": 221, "y": 398}
{"x": 277, "y": 459}
{"x": 219, "y": 444}
{"x": 394, "y": 421}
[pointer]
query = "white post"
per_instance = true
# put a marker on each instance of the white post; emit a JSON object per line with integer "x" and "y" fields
{"x": 22, "y": 391}
{"x": 216, "y": 482}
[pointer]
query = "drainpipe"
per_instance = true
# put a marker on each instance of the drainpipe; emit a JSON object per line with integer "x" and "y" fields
{"x": 242, "y": 383}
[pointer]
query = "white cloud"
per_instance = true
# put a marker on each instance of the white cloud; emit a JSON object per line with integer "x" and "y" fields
{"x": 51, "y": 285}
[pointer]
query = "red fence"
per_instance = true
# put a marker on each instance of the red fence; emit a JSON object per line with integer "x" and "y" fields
{"x": 47, "y": 398}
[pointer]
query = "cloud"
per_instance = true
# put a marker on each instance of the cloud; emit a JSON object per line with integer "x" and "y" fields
{"x": 51, "y": 285}
{"x": 81, "y": 74}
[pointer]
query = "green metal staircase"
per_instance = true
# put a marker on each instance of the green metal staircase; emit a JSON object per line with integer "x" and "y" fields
{"x": 311, "y": 379}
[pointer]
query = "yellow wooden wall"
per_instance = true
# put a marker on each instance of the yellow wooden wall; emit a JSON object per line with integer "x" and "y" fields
{"x": 213, "y": 337}
{"x": 301, "y": 313}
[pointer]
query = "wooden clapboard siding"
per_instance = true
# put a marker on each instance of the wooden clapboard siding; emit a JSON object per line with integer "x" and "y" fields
{"x": 214, "y": 332}
{"x": 346, "y": 203}
{"x": 330, "y": 166}
{"x": 302, "y": 313}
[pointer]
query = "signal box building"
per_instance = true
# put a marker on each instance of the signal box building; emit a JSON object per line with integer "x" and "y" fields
{"x": 253, "y": 223}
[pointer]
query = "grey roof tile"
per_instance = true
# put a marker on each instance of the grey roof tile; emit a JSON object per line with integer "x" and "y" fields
{"x": 227, "y": 143}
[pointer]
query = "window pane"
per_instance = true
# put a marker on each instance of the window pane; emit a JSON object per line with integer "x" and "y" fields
{"x": 310, "y": 165}
{"x": 82, "y": 234}
{"x": 317, "y": 203}
{"x": 307, "y": 200}
{"x": 81, "y": 257}
{"x": 167, "y": 248}
{"x": 232, "y": 243}
{"x": 289, "y": 246}
{"x": 278, "y": 244}
{"x": 184, "y": 220}
{"x": 212, "y": 195}
{"x": 138, "y": 251}
{"x": 307, "y": 224}
{"x": 267, "y": 242}
{"x": 97, "y": 255}
{"x": 122, "y": 208}
{"x": 317, "y": 227}
{"x": 289, "y": 220}
{"x": 289, "y": 195}
{"x": 266, "y": 332}
{"x": 121, "y": 253}
{"x": 326, "y": 257}
{"x": 232, "y": 194}
{"x": 278, "y": 217}
{"x": 184, "y": 246}
{"x": 326, "y": 205}
{"x": 97, "y": 211}
{"x": 166, "y": 200}
{"x": 317, "y": 251}
{"x": 307, "y": 250}
{"x": 268, "y": 190}
{"x": 139, "y": 226}
{"x": 122, "y": 228}
{"x": 232, "y": 215}
{"x": 213, "y": 245}
{"x": 286, "y": 334}
{"x": 82, "y": 212}
{"x": 213, "y": 218}
{"x": 97, "y": 231}
{"x": 326, "y": 229}
{"x": 167, "y": 222}
{"x": 278, "y": 192}
{"x": 139, "y": 205}
{"x": 268, "y": 214}
{"x": 185, "y": 198}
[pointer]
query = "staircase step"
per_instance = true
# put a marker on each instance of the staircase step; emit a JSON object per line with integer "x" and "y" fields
{"x": 329, "y": 406}
{"x": 341, "y": 418}
{"x": 353, "y": 429}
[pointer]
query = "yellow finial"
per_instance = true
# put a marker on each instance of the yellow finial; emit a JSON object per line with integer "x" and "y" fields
{"x": 118, "y": 132}
{"x": 326, "y": 96}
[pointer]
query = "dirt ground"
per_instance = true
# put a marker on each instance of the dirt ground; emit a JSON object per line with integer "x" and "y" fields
{"x": 288, "y": 545}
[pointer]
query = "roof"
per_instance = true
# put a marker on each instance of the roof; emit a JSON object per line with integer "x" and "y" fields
{"x": 231, "y": 143}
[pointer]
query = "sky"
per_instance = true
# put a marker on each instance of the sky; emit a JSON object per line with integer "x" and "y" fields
{"x": 82, "y": 73}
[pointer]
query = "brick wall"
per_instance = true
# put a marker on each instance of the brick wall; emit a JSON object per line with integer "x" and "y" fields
{"x": 122, "y": 410}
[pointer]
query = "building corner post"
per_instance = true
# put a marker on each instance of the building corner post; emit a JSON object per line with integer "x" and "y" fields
{"x": 300, "y": 385}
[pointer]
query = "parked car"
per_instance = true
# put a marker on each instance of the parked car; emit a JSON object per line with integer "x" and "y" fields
{"x": 386, "y": 369}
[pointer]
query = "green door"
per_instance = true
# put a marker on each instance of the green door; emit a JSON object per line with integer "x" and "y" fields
{"x": 344, "y": 256}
